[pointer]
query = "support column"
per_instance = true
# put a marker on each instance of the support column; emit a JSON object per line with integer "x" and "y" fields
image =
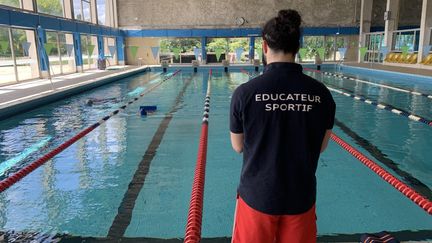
{"x": 78, "y": 52}
{"x": 391, "y": 24}
{"x": 425, "y": 29}
{"x": 67, "y": 6}
{"x": 120, "y": 50}
{"x": 203, "y": 50}
{"x": 365, "y": 22}
{"x": 43, "y": 57}
{"x": 101, "y": 47}
{"x": 251, "y": 49}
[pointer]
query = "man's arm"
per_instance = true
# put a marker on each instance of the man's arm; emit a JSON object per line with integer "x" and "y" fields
{"x": 325, "y": 140}
{"x": 237, "y": 141}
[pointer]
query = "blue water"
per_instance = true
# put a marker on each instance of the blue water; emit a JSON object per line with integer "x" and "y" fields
{"x": 79, "y": 191}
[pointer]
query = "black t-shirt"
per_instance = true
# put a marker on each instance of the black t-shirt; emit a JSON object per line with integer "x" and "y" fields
{"x": 283, "y": 115}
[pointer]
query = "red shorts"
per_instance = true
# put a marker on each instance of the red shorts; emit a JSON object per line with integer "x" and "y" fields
{"x": 252, "y": 226}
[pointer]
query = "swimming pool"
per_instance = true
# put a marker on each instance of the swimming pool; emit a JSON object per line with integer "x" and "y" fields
{"x": 86, "y": 190}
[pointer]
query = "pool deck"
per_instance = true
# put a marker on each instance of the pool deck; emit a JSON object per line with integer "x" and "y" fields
{"x": 382, "y": 67}
{"x": 24, "y": 96}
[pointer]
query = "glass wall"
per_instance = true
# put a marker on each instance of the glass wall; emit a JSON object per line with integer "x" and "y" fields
{"x": 258, "y": 48}
{"x": 67, "y": 53}
{"x": 408, "y": 38}
{"x": 238, "y": 50}
{"x": 52, "y": 7}
{"x": 60, "y": 52}
{"x": 24, "y": 43}
{"x": 19, "y": 62}
{"x": 7, "y": 66}
{"x": 11, "y": 3}
{"x": 110, "y": 50}
{"x": 82, "y": 10}
{"x": 374, "y": 43}
{"x": 312, "y": 43}
{"x": 24, "y": 4}
{"x": 330, "y": 43}
{"x": 178, "y": 50}
{"x": 89, "y": 51}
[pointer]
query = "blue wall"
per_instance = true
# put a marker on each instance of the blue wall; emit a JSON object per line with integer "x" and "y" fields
{"x": 234, "y": 32}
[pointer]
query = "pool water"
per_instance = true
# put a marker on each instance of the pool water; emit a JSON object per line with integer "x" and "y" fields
{"x": 82, "y": 191}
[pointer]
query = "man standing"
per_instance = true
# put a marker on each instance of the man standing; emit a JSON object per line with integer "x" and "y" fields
{"x": 281, "y": 121}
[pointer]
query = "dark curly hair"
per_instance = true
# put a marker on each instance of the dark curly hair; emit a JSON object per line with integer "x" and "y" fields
{"x": 282, "y": 33}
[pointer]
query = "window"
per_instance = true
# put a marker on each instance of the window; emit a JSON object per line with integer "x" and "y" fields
{"x": 52, "y": 7}
{"x": 110, "y": 50}
{"x": 12, "y": 3}
{"x": 82, "y": 10}
{"x": 179, "y": 50}
{"x": 27, "y": 64}
{"x": 238, "y": 50}
{"x": 89, "y": 51}
{"x": 59, "y": 48}
{"x": 101, "y": 12}
{"x": 312, "y": 45}
{"x": 67, "y": 55}
{"x": 258, "y": 48}
{"x": 217, "y": 49}
{"x": 406, "y": 38}
{"x": 19, "y": 62}
{"x": 24, "y": 4}
{"x": 7, "y": 66}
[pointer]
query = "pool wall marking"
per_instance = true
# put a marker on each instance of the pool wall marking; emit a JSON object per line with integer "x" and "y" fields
{"x": 194, "y": 219}
{"x": 9, "y": 181}
{"x": 380, "y": 85}
{"x": 382, "y": 106}
{"x": 410, "y": 193}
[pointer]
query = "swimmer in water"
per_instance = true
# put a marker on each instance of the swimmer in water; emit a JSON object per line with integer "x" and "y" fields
{"x": 93, "y": 101}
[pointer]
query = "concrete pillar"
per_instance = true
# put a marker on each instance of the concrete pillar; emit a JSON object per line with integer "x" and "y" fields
{"x": 78, "y": 52}
{"x": 251, "y": 49}
{"x": 391, "y": 24}
{"x": 68, "y": 9}
{"x": 120, "y": 50}
{"x": 203, "y": 50}
{"x": 27, "y": 5}
{"x": 365, "y": 22}
{"x": 425, "y": 29}
{"x": 115, "y": 16}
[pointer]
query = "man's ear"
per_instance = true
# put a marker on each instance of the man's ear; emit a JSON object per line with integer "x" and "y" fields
{"x": 265, "y": 47}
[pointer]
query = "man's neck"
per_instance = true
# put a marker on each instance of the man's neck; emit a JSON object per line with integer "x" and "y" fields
{"x": 280, "y": 57}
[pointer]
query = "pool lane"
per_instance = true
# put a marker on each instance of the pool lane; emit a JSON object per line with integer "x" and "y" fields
{"x": 401, "y": 140}
{"x": 418, "y": 105}
{"x": 162, "y": 205}
{"x": 80, "y": 190}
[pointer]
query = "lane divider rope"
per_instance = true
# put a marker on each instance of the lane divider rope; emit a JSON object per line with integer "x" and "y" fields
{"x": 410, "y": 193}
{"x": 10, "y": 180}
{"x": 194, "y": 219}
{"x": 377, "y": 84}
{"x": 382, "y": 106}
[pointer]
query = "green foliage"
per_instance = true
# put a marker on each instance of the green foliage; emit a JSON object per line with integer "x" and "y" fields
{"x": 53, "y": 7}
{"x": 217, "y": 43}
{"x": 12, "y": 3}
{"x": 184, "y": 44}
